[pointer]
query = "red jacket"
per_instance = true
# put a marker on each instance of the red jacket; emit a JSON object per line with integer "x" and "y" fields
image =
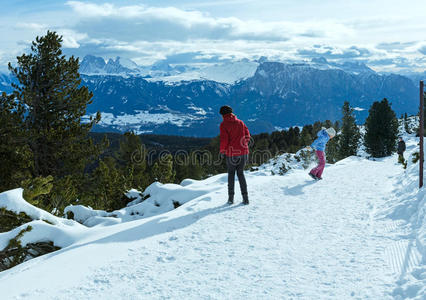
{"x": 234, "y": 136}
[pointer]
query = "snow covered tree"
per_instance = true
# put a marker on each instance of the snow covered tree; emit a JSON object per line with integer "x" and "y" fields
{"x": 350, "y": 135}
{"x": 381, "y": 129}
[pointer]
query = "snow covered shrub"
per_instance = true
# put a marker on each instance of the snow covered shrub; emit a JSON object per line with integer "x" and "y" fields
{"x": 15, "y": 254}
{"x": 416, "y": 157}
{"x": 307, "y": 158}
{"x": 283, "y": 169}
{"x": 10, "y": 220}
{"x": 402, "y": 161}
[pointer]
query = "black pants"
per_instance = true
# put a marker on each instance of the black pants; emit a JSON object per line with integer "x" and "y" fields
{"x": 236, "y": 164}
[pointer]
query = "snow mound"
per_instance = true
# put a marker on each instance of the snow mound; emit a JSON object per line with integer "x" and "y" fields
{"x": 288, "y": 162}
{"x": 45, "y": 226}
{"x": 409, "y": 208}
{"x": 14, "y": 201}
{"x": 158, "y": 199}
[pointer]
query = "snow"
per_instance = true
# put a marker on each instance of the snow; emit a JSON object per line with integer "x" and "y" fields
{"x": 161, "y": 198}
{"x": 127, "y": 63}
{"x": 134, "y": 121}
{"x": 60, "y": 231}
{"x": 229, "y": 72}
{"x": 12, "y": 200}
{"x": 360, "y": 233}
{"x": 197, "y": 110}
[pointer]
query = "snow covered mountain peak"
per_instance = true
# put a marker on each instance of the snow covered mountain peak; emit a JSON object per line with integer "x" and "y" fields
{"x": 226, "y": 72}
{"x": 92, "y": 65}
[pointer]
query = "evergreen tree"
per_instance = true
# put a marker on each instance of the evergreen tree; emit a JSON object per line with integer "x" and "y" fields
{"x": 350, "y": 135}
{"x": 54, "y": 102}
{"x": 109, "y": 186}
{"x": 162, "y": 170}
{"x": 15, "y": 155}
{"x": 49, "y": 88}
{"x": 337, "y": 126}
{"x": 131, "y": 158}
{"x": 306, "y": 135}
{"x": 332, "y": 150}
{"x": 188, "y": 166}
{"x": 381, "y": 129}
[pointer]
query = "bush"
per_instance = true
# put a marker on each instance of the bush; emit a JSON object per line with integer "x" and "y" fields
{"x": 10, "y": 220}
{"x": 15, "y": 254}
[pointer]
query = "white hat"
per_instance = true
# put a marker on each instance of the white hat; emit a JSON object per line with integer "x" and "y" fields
{"x": 331, "y": 131}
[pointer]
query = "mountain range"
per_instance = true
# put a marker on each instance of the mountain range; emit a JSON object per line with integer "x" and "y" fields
{"x": 185, "y": 99}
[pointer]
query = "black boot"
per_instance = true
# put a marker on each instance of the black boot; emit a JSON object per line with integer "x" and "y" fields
{"x": 245, "y": 200}
{"x": 231, "y": 199}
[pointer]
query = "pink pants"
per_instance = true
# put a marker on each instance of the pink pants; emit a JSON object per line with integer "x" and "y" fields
{"x": 317, "y": 171}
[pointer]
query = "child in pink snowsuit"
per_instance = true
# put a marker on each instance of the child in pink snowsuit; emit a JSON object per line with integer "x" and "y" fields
{"x": 319, "y": 146}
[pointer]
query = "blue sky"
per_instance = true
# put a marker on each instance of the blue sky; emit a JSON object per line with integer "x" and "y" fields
{"x": 387, "y": 35}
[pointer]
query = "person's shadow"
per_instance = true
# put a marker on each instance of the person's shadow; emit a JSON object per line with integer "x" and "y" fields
{"x": 156, "y": 226}
{"x": 297, "y": 190}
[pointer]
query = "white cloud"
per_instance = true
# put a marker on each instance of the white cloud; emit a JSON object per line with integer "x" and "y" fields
{"x": 171, "y": 23}
{"x": 71, "y": 38}
{"x": 31, "y": 26}
{"x": 228, "y": 30}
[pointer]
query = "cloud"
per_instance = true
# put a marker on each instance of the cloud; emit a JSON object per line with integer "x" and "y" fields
{"x": 71, "y": 38}
{"x": 334, "y": 52}
{"x": 31, "y": 26}
{"x": 223, "y": 30}
{"x": 395, "y": 45}
{"x": 139, "y": 22}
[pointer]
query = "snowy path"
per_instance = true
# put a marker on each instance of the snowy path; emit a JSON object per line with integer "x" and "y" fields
{"x": 298, "y": 239}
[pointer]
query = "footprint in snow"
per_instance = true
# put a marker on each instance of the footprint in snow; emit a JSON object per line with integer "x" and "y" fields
{"x": 168, "y": 259}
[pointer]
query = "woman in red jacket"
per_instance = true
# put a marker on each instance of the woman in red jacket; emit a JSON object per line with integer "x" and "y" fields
{"x": 234, "y": 139}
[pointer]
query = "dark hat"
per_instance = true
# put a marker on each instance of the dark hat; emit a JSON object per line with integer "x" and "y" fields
{"x": 225, "y": 110}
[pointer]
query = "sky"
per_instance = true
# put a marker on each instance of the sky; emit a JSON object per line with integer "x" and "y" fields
{"x": 389, "y": 36}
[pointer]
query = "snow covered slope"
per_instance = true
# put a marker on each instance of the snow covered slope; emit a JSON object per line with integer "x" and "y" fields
{"x": 359, "y": 233}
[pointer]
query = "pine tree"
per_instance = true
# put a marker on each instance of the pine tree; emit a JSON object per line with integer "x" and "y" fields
{"x": 162, "y": 170}
{"x": 131, "y": 158}
{"x": 49, "y": 88}
{"x": 332, "y": 150}
{"x": 15, "y": 155}
{"x": 108, "y": 186}
{"x": 350, "y": 135}
{"x": 306, "y": 135}
{"x": 381, "y": 129}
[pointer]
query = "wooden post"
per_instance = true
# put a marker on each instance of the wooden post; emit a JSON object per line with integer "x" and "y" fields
{"x": 421, "y": 133}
